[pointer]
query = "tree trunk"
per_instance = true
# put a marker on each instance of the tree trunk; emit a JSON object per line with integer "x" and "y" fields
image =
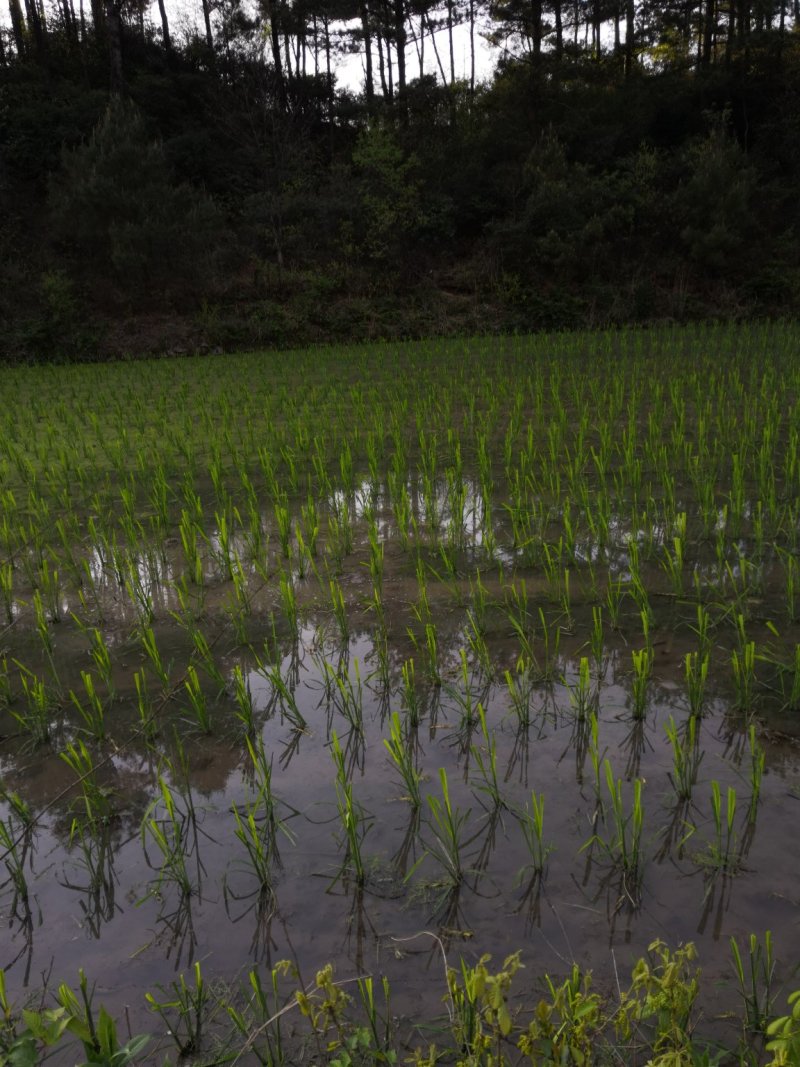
{"x": 744, "y": 21}
{"x": 471, "y": 48}
{"x": 35, "y": 24}
{"x": 275, "y": 45}
{"x": 450, "y": 41}
{"x": 536, "y": 26}
{"x": 98, "y": 17}
{"x": 630, "y": 33}
{"x": 328, "y": 73}
{"x": 287, "y": 58}
{"x": 207, "y": 23}
{"x": 436, "y": 49}
{"x": 709, "y": 17}
{"x": 559, "y": 29}
{"x": 165, "y": 27}
{"x": 370, "y": 83}
{"x": 114, "y": 36}
{"x": 381, "y": 67}
{"x": 17, "y": 27}
{"x": 400, "y": 46}
{"x": 70, "y": 24}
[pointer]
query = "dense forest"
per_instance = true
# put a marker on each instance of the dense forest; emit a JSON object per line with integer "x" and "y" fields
{"x": 168, "y": 190}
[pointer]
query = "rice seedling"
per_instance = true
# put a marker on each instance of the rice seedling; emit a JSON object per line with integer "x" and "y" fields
{"x": 479, "y": 647}
{"x": 624, "y": 844}
{"x": 139, "y": 590}
{"x": 703, "y": 632}
{"x": 721, "y": 855}
{"x": 615, "y": 591}
{"x": 431, "y": 649}
{"x": 673, "y": 562}
{"x": 408, "y": 694}
{"x": 35, "y": 715}
{"x": 756, "y": 772}
{"x": 743, "y": 664}
{"x": 243, "y": 697}
{"x": 519, "y": 692}
{"x": 150, "y": 647}
{"x": 340, "y": 531}
{"x": 581, "y": 696}
{"x": 101, "y": 657}
{"x": 348, "y": 696}
{"x": 92, "y": 711}
{"x": 486, "y": 762}
{"x": 191, "y": 535}
{"x": 401, "y": 751}
{"x": 642, "y": 660}
{"x": 791, "y": 570}
{"x": 97, "y": 801}
{"x": 686, "y": 757}
{"x": 597, "y": 641}
{"x": 49, "y": 587}
{"x": 696, "y": 675}
{"x": 289, "y": 708}
{"x": 45, "y": 636}
{"x": 531, "y": 821}
{"x": 197, "y": 701}
{"x": 355, "y": 824}
{"x": 339, "y": 608}
{"x": 289, "y": 602}
{"x": 421, "y": 607}
{"x": 7, "y": 590}
{"x": 546, "y": 666}
{"x": 447, "y": 836}
{"x": 258, "y": 845}
{"x": 166, "y": 827}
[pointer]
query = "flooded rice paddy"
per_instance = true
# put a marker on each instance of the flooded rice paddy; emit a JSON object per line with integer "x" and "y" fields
{"x": 304, "y": 655}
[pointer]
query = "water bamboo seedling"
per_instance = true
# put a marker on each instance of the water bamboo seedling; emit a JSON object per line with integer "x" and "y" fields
{"x": 183, "y": 1012}
{"x": 755, "y": 981}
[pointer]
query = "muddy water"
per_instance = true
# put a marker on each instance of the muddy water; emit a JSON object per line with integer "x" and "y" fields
{"x": 132, "y": 935}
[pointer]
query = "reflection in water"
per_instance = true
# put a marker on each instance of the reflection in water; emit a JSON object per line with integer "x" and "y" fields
{"x": 97, "y": 888}
{"x": 19, "y": 908}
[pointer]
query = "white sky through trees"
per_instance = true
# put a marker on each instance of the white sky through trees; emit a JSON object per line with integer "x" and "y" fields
{"x": 186, "y": 20}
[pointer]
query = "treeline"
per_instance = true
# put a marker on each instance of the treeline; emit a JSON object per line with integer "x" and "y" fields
{"x": 627, "y": 161}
